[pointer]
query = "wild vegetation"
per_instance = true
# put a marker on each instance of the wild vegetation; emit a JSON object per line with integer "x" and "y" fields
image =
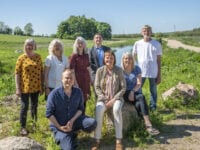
{"x": 177, "y": 65}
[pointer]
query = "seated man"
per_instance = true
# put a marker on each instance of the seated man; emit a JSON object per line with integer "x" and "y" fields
{"x": 64, "y": 110}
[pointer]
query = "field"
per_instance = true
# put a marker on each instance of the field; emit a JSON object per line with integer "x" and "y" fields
{"x": 177, "y": 65}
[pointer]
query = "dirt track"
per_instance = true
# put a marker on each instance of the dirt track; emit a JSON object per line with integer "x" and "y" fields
{"x": 177, "y": 44}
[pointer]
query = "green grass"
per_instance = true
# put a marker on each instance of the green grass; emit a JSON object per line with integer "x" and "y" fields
{"x": 177, "y": 65}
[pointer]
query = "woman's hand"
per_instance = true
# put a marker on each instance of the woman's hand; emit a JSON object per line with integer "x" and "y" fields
{"x": 18, "y": 92}
{"x": 131, "y": 96}
{"x": 110, "y": 103}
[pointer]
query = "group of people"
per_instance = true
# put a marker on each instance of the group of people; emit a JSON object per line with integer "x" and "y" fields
{"x": 67, "y": 86}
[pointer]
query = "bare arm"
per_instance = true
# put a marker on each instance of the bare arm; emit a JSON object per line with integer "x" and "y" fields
{"x": 139, "y": 83}
{"x": 46, "y": 73}
{"x": 158, "y": 80}
{"x": 17, "y": 84}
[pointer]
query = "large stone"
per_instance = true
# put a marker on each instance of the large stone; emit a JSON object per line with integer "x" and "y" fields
{"x": 185, "y": 91}
{"x": 129, "y": 115}
{"x": 19, "y": 143}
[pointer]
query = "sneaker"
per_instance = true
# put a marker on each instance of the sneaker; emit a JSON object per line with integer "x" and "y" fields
{"x": 24, "y": 132}
{"x": 95, "y": 146}
{"x": 119, "y": 146}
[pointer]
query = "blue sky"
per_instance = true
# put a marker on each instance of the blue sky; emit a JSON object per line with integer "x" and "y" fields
{"x": 124, "y": 16}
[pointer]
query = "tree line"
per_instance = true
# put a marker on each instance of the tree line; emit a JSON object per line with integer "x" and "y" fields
{"x": 68, "y": 29}
{"x": 5, "y": 29}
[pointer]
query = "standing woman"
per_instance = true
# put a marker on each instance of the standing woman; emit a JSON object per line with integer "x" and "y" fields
{"x": 29, "y": 79}
{"x": 79, "y": 62}
{"x": 110, "y": 87}
{"x": 55, "y": 64}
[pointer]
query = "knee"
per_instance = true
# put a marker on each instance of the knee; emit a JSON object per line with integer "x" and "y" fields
{"x": 92, "y": 125}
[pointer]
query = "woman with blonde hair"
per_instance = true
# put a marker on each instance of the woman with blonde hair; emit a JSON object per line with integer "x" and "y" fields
{"x": 133, "y": 94}
{"x": 29, "y": 79}
{"x": 79, "y": 62}
{"x": 55, "y": 64}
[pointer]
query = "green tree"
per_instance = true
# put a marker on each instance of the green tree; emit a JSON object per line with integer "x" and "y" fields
{"x": 28, "y": 29}
{"x": 81, "y": 26}
{"x": 18, "y": 31}
{"x": 5, "y": 29}
{"x": 104, "y": 29}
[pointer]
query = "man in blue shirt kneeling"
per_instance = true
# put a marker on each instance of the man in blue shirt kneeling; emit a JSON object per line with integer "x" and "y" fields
{"x": 64, "y": 110}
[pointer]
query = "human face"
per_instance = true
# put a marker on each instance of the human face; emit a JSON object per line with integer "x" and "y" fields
{"x": 29, "y": 49}
{"x": 109, "y": 60}
{"x": 67, "y": 79}
{"x": 127, "y": 61}
{"x": 80, "y": 47}
{"x": 98, "y": 40}
{"x": 146, "y": 32}
{"x": 57, "y": 50}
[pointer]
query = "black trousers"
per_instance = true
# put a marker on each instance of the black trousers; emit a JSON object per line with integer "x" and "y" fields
{"x": 24, "y": 107}
{"x": 139, "y": 103}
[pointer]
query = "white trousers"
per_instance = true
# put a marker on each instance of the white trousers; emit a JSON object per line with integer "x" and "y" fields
{"x": 117, "y": 114}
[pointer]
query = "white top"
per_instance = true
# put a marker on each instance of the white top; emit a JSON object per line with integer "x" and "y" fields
{"x": 56, "y": 69}
{"x": 147, "y": 53}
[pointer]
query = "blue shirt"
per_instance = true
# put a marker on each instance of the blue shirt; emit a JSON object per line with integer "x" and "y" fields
{"x": 131, "y": 79}
{"x": 100, "y": 55}
{"x": 62, "y": 106}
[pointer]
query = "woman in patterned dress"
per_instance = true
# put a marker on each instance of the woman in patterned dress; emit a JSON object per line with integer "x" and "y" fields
{"x": 28, "y": 77}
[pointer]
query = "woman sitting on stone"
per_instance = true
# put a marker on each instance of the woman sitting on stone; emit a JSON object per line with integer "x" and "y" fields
{"x": 133, "y": 94}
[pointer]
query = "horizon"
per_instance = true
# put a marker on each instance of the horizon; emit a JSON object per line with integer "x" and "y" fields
{"x": 125, "y": 17}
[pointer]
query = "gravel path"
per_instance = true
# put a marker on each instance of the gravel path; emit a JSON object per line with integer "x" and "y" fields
{"x": 177, "y": 44}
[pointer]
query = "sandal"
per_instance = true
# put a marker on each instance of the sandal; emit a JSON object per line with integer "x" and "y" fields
{"x": 151, "y": 130}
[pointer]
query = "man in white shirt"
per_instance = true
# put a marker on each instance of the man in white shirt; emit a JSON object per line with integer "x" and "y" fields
{"x": 147, "y": 52}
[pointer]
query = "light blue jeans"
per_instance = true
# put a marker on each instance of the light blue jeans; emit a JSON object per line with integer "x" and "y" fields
{"x": 117, "y": 114}
{"x": 153, "y": 91}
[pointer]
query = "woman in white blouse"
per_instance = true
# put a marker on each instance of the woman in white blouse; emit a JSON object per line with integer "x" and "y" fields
{"x": 55, "y": 64}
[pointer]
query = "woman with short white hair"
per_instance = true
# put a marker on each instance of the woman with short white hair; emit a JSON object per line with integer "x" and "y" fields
{"x": 55, "y": 64}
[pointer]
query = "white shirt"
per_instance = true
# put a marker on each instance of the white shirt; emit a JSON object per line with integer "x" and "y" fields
{"x": 56, "y": 69}
{"x": 147, "y": 53}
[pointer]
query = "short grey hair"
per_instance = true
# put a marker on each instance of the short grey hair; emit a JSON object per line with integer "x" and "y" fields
{"x": 130, "y": 56}
{"x": 30, "y": 41}
{"x": 51, "y": 46}
{"x": 80, "y": 39}
{"x": 147, "y": 27}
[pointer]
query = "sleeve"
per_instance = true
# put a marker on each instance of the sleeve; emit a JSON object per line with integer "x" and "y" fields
{"x": 97, "y": 86}
{"x": 159, "y": 49}
{"x": 50, "y": 106}
{"x": 122, "y": 88}
{"x": 81, "y": 104}
{"x": 48, "y": 62}
{"x": 18, "y": 67}
{"x": 138, "y": 70}
{"x": 134, "y": 48}
{"x": 88, "y": 62}
{"x": 72, "y": 62}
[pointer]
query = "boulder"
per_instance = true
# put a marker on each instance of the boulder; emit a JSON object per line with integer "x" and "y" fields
{"x": 19, "y": 143}
{"x": 129, "y": 115}
{"x": 186, "y": 92}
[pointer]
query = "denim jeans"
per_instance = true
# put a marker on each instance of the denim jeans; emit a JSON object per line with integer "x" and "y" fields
{"x": 153, "y": 91}
{"x": 66, "y": 140}
{"x": 117, "y": 114}
{"x": 24, "y": 107}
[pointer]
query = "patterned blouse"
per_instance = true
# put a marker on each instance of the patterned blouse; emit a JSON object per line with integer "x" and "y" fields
{"x": 30, "y": 70}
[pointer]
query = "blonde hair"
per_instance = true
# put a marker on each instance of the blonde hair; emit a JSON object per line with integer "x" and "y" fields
{"x": 130, "y": 56}
{"x": 30, "y": 41}
{"x": 80, "y": 39}
{"x": 52, "y": 44}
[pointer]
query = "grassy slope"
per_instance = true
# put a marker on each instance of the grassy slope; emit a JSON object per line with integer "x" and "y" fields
{"x": 177, "y": 65}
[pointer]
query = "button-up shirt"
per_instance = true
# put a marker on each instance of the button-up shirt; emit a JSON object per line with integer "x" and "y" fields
{"x": 63, "y": 107}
